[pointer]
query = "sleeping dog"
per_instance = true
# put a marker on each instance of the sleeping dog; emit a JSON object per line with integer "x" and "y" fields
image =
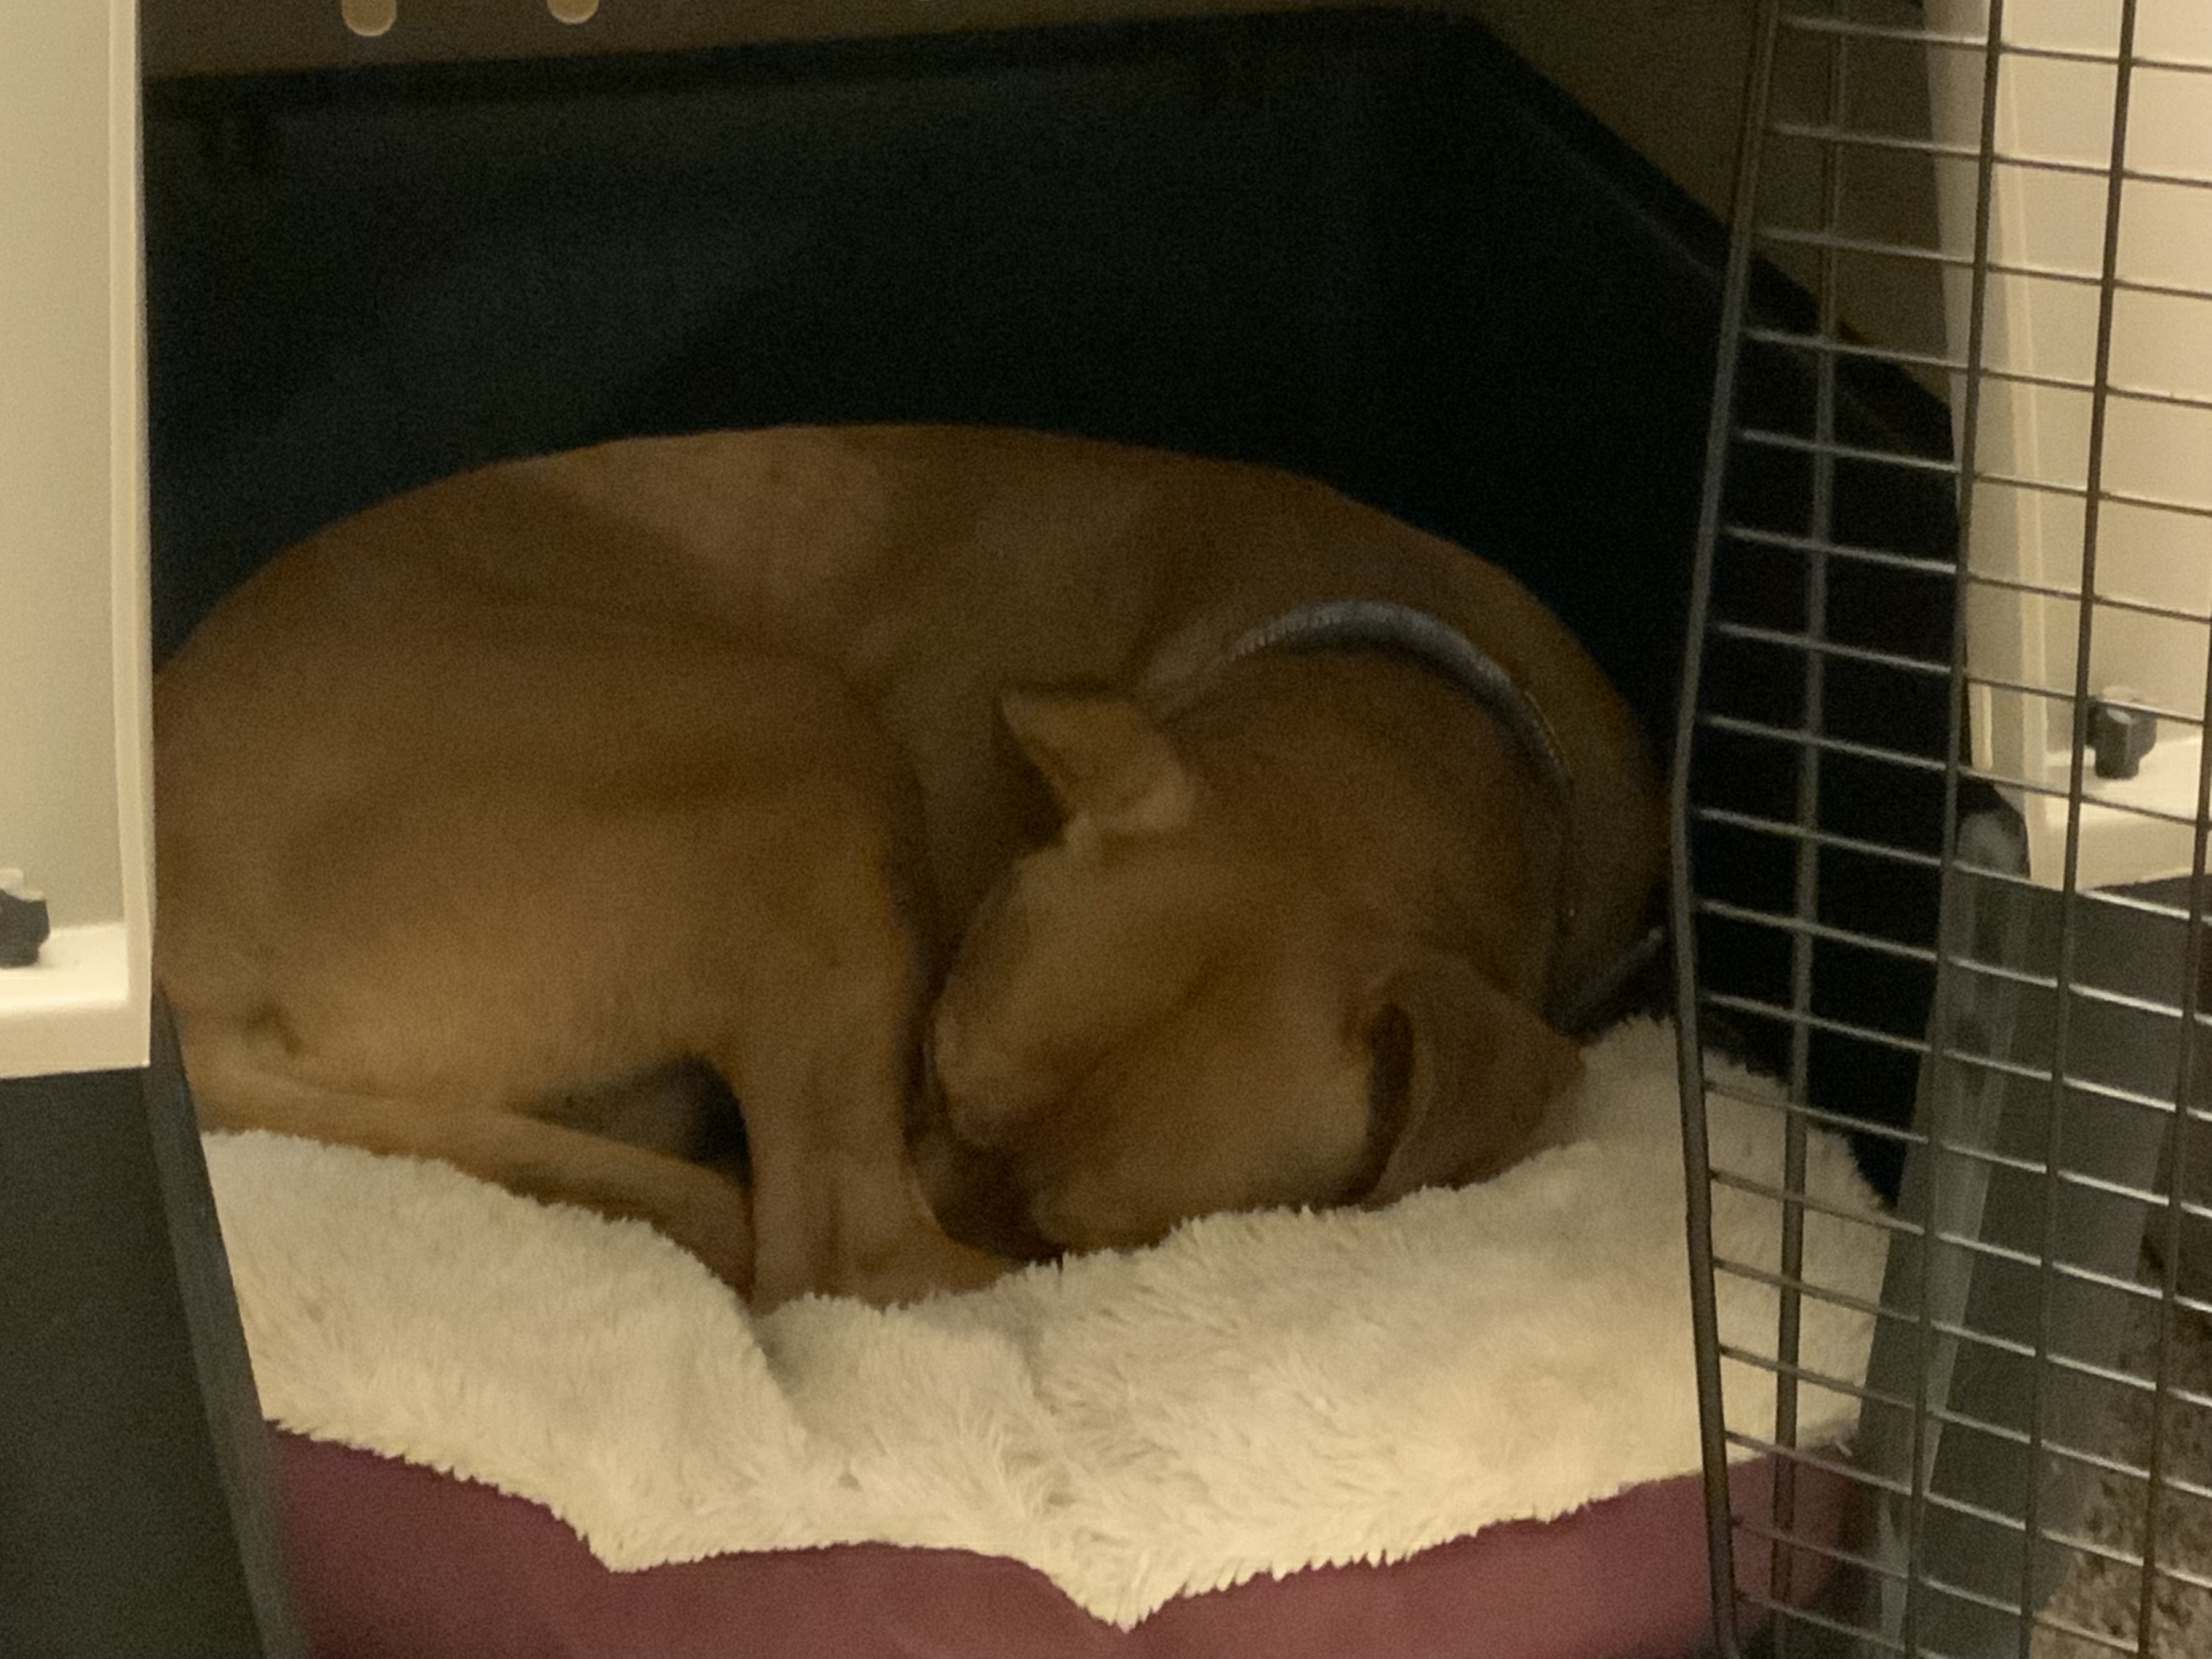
{"x": 1044, "y": 841}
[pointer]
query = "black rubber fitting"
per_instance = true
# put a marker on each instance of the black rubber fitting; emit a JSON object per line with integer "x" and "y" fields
{"x": 24, "y": 926}
{"x": 2120, "y": 738}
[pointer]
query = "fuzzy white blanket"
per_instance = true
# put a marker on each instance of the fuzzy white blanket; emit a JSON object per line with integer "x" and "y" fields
{"x": 1258, "y": 1393}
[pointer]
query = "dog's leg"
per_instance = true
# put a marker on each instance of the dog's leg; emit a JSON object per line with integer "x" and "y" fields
{"x": 822, "y": 1061}
{"x": 565, "y": 870}
{"x": 704, "y": 1211}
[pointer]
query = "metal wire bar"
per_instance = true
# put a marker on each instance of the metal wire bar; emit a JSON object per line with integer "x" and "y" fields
{"x": 1879, "y": 1221}
{"x": 2072, "y": 1540}
{"x": 2023, "y": 1070}
{"x": 1901, "y": 357}
{"x": 2081, "y": 492}
{"x": 2028, "y": 689}
{"x": 2005, "y": 974}
{"x": 1966, "y": 1243}
{"x": 1783, "y": 540}
{"x": 1784, "y": 734}
{"x": 2186, "y": 719}
{"x": 1858, "y": 1474}
{"x": 1798, "y": 928}
{"x": 1819, "y": 1022}
{"x": 2103, "y": 1462}
{"x": 1822, "y": 1621}
{"x": 1813, "y": 23}
{"x": 2069, "y": 880}
{"x": 1821, "y": 649}
{"x": 2016, "y": 1524}
{"x": 1835, "y": 1553}
{"x": 2110, "y": 1554}
{"x": 1798, "y": 236}
{"x": 2109, "y": 601}
{"x": 1919, "y": 1446}
{"x": 2087, "y": 1369}
{"x": 2032, "y": 787}
{"x": 2083, "y": 1368}
{"x": 2020, "y": 1258}
{"x": 1783, "y": 639}
{"x": 1828, "y": 838}
{"x": 2115, "y": 602}
{"x": 2025, "y": 1616}
{"x": 1895, "y": 1226}
{"x": 1698, "y": 1220}
{"x": 1768, "y": 437}
{"x": 1877, "y": 1310}
{"x": 2104, "y": 1639}
{"x": 1792, "y": 736}
{"x": 2113, "y": 898}
{"x": 1826, "y": 1117}
{"x": 1858, "y": 1391}
{"x": 1935, "y": 149}
{"x": 2005, "y": 780}
{"x": 2113, "y": 1093}
{"x": 1768, "y": 1277}
{"x": 1996, "y": 972}
{"x": 2079, "y": 1180}
{"x": 2055, "y": 793}
{"x": 1753, "y": 1186}
{"x": 2097, "y": 1461}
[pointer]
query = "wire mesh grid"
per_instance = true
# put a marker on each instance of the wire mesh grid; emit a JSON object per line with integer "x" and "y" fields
{"x": 1941, "y": 799}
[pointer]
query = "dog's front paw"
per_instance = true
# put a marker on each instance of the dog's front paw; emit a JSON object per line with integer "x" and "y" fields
{"x": 927, "y": 1266}
{"x": 923, "y": 1263}
{"x": 713, "y": 1219}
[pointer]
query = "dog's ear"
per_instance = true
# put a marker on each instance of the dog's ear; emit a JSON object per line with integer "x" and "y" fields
{"x": 1462, "y": 1074}
{"x": 1105, "y": 760}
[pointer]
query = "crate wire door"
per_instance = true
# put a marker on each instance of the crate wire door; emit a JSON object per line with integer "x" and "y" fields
{"x": 2034, "y": 178}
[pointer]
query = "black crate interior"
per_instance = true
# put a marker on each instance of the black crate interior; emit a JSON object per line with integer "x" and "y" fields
{"x": 1373, "y": 247}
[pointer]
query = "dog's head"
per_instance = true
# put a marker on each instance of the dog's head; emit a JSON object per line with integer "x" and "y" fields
{"x": 1164, "y": 1013}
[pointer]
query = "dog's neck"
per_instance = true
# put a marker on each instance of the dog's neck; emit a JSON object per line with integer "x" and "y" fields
{"x": 1400, "y": 797}
{"x": 1391, "y": 637}
{"x": 1387, "y": 627}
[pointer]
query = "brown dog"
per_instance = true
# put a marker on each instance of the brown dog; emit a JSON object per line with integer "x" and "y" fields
{"x": 481, "y": 812}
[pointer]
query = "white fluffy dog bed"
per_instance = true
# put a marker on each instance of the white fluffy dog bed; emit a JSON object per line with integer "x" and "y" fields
{"x": 1257, "y": 1394}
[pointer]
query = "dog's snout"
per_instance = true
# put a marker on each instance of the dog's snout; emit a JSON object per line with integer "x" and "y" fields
{"x": 973, "y": 1080}
{"x": 1080, "y": 1209}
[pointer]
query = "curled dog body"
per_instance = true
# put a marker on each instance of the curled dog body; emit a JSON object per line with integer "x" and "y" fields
{"x": 738, "y": 752}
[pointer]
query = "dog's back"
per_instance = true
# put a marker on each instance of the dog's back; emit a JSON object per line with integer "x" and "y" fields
{"x": 935, "y": 566}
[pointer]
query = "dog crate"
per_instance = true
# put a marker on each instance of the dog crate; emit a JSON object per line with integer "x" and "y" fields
{"x": 2030, "y": 1456}
{"x": 387, "y": 240}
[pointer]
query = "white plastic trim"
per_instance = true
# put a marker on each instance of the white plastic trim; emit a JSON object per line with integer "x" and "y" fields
{"x": 74, "y": 757}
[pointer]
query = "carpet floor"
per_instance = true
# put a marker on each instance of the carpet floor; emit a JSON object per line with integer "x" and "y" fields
{"x": 2101, "y": 1599}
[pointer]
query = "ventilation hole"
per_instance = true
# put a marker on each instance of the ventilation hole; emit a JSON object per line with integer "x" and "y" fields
{"x": 573, "y": 11}
{"x": 368, "y": 18}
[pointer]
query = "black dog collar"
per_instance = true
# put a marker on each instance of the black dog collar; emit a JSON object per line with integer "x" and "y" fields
{"x": 1402, "y": 630}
